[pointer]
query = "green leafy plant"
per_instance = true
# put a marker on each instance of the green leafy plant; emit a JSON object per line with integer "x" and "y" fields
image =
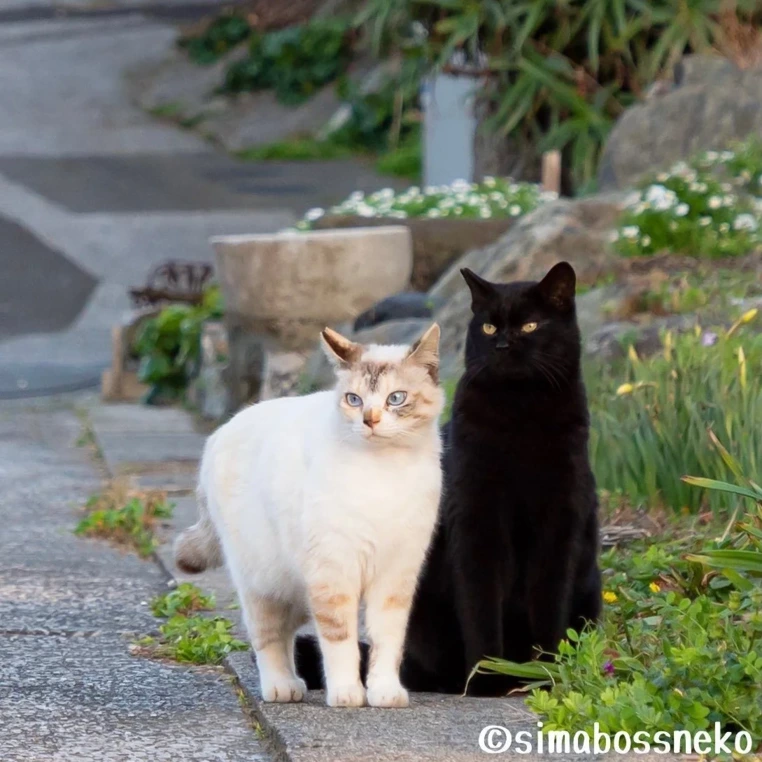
{"x": 708, "y": 208}
{"x": 125, "y": 517}
{"x": 223, "y": 34}
{"x": 558, "y": 73}
{"x": 196, "y": 640}
{"x": 185, "y": 599}
{"x": 649, "y": 418}
{"x": 680, "y": 644}
{"x": 297, "y": 149}
{"x": 294, "y": 62}
{"x": 169, "y": 346}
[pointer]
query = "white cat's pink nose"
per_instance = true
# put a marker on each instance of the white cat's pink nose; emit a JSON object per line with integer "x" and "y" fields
{"x": 371, "y": 417}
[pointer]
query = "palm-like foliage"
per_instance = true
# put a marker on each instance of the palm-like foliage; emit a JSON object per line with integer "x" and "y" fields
{"x": 561, "y": 71}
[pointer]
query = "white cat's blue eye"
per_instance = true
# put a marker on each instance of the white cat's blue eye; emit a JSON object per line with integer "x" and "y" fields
{"x": 396, "y": 398}
{"x": 353, "y": 400}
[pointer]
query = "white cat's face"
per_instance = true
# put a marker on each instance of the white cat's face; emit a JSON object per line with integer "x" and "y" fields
{"x": 387, "y": 394}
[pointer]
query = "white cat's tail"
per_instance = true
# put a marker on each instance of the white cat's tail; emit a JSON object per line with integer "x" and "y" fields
{"x": 198, "y": 547}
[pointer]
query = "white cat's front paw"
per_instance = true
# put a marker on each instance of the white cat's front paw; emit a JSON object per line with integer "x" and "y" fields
{"x": 387, "y": 693}
{"x": 352, "y": 694}
{"x": 283, "y": 689}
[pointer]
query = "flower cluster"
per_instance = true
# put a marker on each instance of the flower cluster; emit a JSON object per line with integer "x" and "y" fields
{"x": 710, "y": 207}
{"x": 492, "y": 198}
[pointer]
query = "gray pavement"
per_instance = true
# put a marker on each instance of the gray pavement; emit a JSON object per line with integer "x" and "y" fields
{"x": 68, "y": 610}
{"x": 159, "y": 444}
{"x": 94, "y": 192}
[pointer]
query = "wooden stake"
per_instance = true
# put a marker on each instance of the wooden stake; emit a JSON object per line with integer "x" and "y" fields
{"x": 551, "y": 171}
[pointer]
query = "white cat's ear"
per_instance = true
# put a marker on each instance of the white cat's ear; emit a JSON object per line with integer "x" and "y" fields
{"x": 425, "y": 352}
{"x": 338, "y": 349}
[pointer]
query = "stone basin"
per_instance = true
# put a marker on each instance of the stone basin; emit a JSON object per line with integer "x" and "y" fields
{"x": 286, "y": 287}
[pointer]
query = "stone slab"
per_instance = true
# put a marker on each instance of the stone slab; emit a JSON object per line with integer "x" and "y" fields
{"x": 132, "y": 451}
{"x": 71, "y": 690}
{"x": 140, "y": 419}
{"x": 81, "y": 699}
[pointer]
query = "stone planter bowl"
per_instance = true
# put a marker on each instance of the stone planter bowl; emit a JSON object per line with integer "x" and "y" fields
{"x": 286, "y": 287}
{"x": 437, "y": 243}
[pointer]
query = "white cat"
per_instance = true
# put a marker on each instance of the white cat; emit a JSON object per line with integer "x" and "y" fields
{"x": 323, "y": 502}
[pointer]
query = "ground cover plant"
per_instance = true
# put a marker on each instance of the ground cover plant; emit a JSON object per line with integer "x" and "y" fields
{"x": 187, "y": 636}
{"x": 680, "y": 646}
{"x": 708, "y": 207}
{"x": 125, "y": 517}
{"x": 493, "y": 197}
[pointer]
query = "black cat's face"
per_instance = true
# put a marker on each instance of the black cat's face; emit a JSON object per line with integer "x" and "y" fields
{"x": 524, "y": 330}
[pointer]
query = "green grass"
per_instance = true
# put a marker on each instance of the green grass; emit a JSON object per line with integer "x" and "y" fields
{"x": 185, "y": 599}
{"x": 193, "y": 640}
{"x": 297, "y": 149}
{"x": 404, "y": 161}
{"x": 124, "y": 517}
{"x": 649, "y": 417}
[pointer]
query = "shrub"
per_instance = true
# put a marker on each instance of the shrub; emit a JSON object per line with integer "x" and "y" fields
{"x": 493, "y": 197}
{"x": 559, "y": 73}
{"x": 169, "y": 346}
{"x": 707, "y": 208}
{"x": 220, "y": 36}
{"x": 295, "y": 62}
{"x": 648, "y": 419}
{"x": 679, "y": 648}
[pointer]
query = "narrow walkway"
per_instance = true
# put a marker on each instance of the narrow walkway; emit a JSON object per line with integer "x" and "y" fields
{"x": 69, "y": 689}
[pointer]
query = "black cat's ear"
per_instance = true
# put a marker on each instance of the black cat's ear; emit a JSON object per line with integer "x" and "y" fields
{"x": 482, "y": 291}
{"x": 559, "y": 285}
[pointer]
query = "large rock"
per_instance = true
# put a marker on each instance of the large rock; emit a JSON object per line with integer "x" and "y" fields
{"x": 711, "y": 103}
{"x": 578, "y": 232}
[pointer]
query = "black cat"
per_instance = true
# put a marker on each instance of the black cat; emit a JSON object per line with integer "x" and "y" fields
{"x": 514, "y": 561}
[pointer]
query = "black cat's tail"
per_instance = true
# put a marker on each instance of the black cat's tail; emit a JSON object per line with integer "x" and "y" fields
{"x": 309, "y": 666}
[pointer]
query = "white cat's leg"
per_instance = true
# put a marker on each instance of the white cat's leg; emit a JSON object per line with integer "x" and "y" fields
{"x": 388, "y": 603}
{"x": 335, "y": 607}
{"x": 271, "y": 625}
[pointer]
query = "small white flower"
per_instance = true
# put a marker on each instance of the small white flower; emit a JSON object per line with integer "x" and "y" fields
{"x": 314, "y": 214}
{"x": 673, "y": 225}
{"x": 356, "y": 196}
{"x": 727, "y": 155}
{"x": 662, "y": 177}
{"x": 631, "y": 231}
{"x": 745, "y": 222}
{"x": 514, "y": 210}
{"x": 715, "y": 202}
{"x": 461, "y": 186}
{"x": 645, "y": 240}
{"x": 705, "y": 221}
{"x": 433, "y": 213}
{"x": 682, "y": 209}
{"x": 698, "y": 187}
{"x": 485, "y": 213}
{"x": 724, "y": 227}
{"x": 489, "y": 181}
{"x": 711, "y": 156}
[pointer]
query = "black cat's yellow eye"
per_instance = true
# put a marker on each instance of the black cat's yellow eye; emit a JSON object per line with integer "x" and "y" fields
{"x": 529, "y": 327}
{"x": 489, "y": 329}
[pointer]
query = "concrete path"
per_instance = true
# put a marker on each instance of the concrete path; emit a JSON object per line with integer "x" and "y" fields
{"x": 159, "y": 447}
{"x": 68, "y": 610}
{"x": 94, "y": 192}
